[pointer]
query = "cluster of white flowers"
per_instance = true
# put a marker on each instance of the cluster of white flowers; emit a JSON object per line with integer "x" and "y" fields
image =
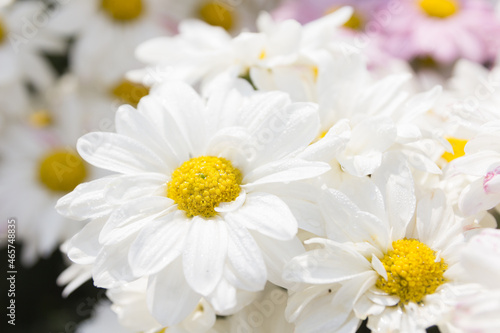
{"x": 259, "y": 177}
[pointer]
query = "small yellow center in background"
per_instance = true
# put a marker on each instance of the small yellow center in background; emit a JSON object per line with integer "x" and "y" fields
{"x": 3, "y": 31}
{"x": 439, "y": 8}
{"x": 412, "y": 271}
{"x": 202, "y": 183}
{"x": 62, "y": 170}
{"x": 355, "y": 22}
{"x": 123, "y": 10}
{"x": 458, "y": 146}
{"x": 130, "y": 92}
{"x": 218, "y": 14}
{"x": 40, "y": 119}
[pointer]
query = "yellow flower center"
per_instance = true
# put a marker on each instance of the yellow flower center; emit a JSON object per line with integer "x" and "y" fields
{"x": 123, "y": 10}
{"x": 439, "y": 8}
{"x": 40, "y": 118}
{"x": 218, "y": 14}
{"x": 202, "y": 183}
{"x": 458, "y": 146}
{"x": 3, "y": 32}
{"x": 62, "y": 170}
{"x": 412, "y": 271}
{"x": 130, "y": 92}
{"x": 355, "y": 22}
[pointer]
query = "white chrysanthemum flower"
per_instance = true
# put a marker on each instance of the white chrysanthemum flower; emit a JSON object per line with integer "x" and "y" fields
{"x": 39, "y": 165}
{"x": 200, "y": 52}
{"x": 379, "y": 262}
{"x": 362, "y": 122}
{"x": 22, "y": 44}
{"x": 479, "y": 312}
{"x": 189, "y": 206}
{"x": 97, "y": 57}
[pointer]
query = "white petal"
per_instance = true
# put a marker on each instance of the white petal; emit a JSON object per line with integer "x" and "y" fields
{"x": 346, "y": 222}
{"x": 132, "y": 216}
{"x": 285, "y": 171}
{"x": 170, "y": 298}
{"x": 266, "y": 214}
{"x": 326, "y": 266}
{"x": 474, "y": 199}
{"x": 84, "y": 246}
{"x": 119, "y": 153}
{"x": 158, "y": 244}
{"x": 395, "y": 181}
{"x": 245, "y": 259}
{"x": 379, "y": 267}
{"x": 87, "y": 200}
{"x": 205, "y": 254}
{"x": 134, "y": 124}
{"x": 111, "y": 267}
{"x": 276, "y": 254}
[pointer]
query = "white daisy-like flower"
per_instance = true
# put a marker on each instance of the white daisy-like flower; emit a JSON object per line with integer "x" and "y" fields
{"x": 189, "y": 206}
{"x": 363, "y": 120}
{"x": 379, "y": 262}
{"x": 480, "y": 259}
{"x": 39, "y": 165}
{"x": 107, "y": 33}
{"x": 22, "y": 44}
{"x": 200, "y": 52}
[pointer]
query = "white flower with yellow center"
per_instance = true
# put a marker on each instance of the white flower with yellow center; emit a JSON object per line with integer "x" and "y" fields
{"x": 362, "y": 120}
{"x": 379, "y": 262}
{"x": 40, "y": 164}
{"x": 189, "y": 207}
{"x": 106, "y": 34}
{"x": 200, "y": 52}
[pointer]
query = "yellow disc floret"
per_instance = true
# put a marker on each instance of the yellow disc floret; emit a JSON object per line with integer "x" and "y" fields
{"x": 40, "y": 118}
{"x": 439, "y": 8}
{"x": 3, "y": 33}
{"x": 355, "y": 22}
{"x": 412, "y": 271}
{"x": 202, "y": 183}
{"x": 218, "y": 14}
{"x": 458, "y": 146}
{"x": 123, "y": 10}
{"x": 130, "y": 92}
{"x": 62, "y": 170}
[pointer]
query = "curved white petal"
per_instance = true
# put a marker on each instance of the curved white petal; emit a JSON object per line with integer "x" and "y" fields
{"x": 266, "y": 214}
{"x": 158, "y": 244}
{"x": 170, "y": 298}
{"x": 119, "y": 153}
{"x": 205, "y": 253}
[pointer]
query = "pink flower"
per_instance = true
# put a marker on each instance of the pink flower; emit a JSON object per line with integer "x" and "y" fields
{"x": 444, "y": 30}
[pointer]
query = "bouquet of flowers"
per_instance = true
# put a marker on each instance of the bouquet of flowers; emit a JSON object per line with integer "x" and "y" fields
{"x": 258, "y": 166}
